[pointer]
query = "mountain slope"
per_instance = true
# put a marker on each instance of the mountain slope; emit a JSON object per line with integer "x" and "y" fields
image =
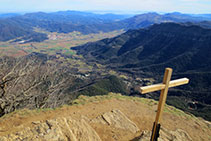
{"x": 62, "y": 22}
{"x": 69, "y": 21}
{"x": 86, "y": 23}
{"x": 158, "y": 45}
{"x": 42, "y": 81}
{"x": 111, "y": 117}
{"x": 147, "y": 19}
{"x": 8, "y": 15}
{"x": 147, "y": 52}
{"x": 75, "y": 17}
{"x": 10, "y": 29}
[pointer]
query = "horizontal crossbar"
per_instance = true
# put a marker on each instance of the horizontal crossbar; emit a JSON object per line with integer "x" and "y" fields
{"x": 157, "y": 87}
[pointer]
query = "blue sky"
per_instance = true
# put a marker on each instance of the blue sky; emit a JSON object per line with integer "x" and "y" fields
{"x": 184, "y": 6}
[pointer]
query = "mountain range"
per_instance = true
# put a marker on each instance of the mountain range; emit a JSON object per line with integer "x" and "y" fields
{"x": 83, "y": 86}
{"x": 84, "y": 22}
{"x": 147, "y": 19}
{"x": 8, "y": 15}
{"x": 151, "y": 43}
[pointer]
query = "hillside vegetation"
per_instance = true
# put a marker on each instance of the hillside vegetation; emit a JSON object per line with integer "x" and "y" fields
{"x": 145, "y": 53}
{"x": 43, "y": 81}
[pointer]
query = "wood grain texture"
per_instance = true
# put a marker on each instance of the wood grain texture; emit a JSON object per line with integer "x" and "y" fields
{"x": 160, "y": 86}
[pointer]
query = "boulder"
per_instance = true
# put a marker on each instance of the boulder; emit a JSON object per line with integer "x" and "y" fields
{"x": 64, "y": 129}
{"x": 117, "y": 119}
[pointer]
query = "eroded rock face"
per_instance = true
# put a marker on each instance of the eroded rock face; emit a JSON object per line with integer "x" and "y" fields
{"x": 82, "y": 128}
{"x": 119, "y": 120}
{"x": 166, "y": 135}
{"x": 60, "y": 129}
{"x": 68, "y": 128}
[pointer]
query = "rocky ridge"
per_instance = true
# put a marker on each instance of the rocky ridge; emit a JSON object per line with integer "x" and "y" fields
{"x": 112, "y": 117}
{"x": 67, "y": 128}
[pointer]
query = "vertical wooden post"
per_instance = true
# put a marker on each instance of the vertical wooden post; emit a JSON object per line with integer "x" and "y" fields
{"x": 163, "y": 95}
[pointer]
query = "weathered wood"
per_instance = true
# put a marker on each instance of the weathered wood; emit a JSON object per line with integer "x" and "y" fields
{"x": 160, "y": 86}
{"x": 163, "y": 95}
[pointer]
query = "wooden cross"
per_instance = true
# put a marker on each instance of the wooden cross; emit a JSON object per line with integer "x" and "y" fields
{"x": 164, "y": 90}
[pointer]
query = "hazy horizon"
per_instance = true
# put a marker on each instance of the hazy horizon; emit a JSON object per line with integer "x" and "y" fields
{"x": 107, "y": 6}
{"x": 129, "y": 13}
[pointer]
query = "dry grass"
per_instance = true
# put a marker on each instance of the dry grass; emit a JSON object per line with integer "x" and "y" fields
{"x": 140, "y": 110}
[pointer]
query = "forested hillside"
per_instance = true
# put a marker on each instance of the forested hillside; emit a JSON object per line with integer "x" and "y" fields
{"x": 147, "y": 52}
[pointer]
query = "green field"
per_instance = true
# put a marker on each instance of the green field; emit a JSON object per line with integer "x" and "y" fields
{"x": 57, "y": 43}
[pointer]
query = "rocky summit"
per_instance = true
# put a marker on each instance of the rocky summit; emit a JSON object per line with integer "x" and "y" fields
{"x": 101, "y": 118}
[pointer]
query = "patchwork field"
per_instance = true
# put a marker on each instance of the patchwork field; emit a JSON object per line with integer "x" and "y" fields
{"x": 58, "y": 43}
